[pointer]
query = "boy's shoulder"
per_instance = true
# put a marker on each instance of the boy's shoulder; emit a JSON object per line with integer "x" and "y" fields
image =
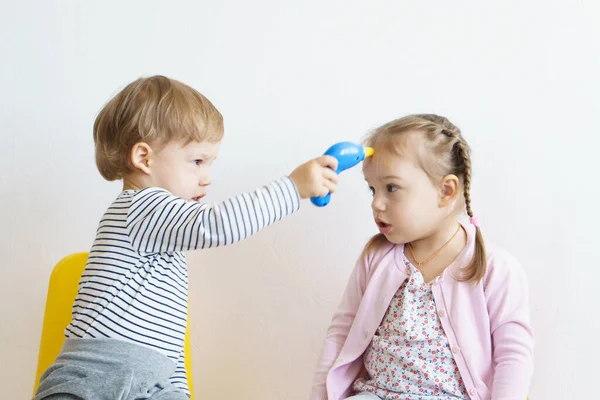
{"x": 128, "y": 198}
{"x": 135, "y": 195}
{"x": 145, "y": 191}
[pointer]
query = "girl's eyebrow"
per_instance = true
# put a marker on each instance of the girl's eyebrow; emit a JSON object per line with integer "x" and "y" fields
{"x": 392, "y": 177}
{"x": 389, "y": 177}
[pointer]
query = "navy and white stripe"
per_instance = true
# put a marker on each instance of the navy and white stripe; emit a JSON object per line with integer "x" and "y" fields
{"x": 134, "y": 286}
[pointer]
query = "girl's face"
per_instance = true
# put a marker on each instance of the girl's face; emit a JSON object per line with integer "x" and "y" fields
{"x": 407, "y": 205}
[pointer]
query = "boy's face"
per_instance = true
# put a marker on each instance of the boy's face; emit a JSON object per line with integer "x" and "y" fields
{"x": 184, "y": 169}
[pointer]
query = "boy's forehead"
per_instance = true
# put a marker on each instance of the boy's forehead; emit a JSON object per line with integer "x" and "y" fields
{"x": 205, "y": 147}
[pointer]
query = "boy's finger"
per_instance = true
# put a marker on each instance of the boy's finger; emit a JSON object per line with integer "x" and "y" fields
{"x": 328, "y": 161}
{"x": 330, "y": 175}
{"x": 322, "y": 191}
{"x": 330, "y": 186}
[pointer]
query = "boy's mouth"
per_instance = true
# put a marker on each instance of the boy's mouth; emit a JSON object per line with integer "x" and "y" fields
{"x": 198, "y": 198}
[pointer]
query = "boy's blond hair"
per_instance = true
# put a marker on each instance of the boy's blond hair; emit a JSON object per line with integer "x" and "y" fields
{"x": 154, "y": 110}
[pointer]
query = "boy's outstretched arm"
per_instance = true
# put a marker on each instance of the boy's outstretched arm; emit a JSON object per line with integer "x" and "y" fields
{"x": 159, "y": 222}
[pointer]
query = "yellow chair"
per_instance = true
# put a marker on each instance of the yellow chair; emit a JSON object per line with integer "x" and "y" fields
{"x": 62, "y": 291}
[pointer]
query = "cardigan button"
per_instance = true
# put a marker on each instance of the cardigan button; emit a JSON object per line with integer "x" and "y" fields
{"x": 473, "y": 392}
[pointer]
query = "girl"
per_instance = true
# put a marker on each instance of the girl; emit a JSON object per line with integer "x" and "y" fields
{"x": 431, "y": 311}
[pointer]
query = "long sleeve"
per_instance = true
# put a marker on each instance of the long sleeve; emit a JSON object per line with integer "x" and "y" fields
{"x": 512, "y": 334}
{"x": 159, "y": 222}
{"x": 340, "y": 326}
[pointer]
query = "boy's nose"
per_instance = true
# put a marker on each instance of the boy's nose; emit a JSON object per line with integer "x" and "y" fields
{"x": 205, "y": 181}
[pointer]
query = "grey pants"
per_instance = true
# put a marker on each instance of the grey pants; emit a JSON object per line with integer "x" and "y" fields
{"x": 108, "y": 369}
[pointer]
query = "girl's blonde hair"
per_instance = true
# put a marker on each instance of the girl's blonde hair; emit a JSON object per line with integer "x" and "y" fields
{"x": 155, "y": 110}
{"x": 445, "y": 152}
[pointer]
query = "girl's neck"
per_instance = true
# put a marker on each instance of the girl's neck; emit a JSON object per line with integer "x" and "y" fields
{"x": 432, "y": 242}
{"x": 429, "y": 245}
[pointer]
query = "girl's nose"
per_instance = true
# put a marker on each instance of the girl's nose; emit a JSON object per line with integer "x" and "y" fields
{"x": 378, "y": 204}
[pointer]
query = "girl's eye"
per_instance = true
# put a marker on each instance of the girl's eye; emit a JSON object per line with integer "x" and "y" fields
{"x": 198, "y": 162}
{"x": 392, "y": 188}
{"x": 371, "y": 190}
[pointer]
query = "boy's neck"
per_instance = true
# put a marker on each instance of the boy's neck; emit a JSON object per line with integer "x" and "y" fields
{"x": 133, "y": 182}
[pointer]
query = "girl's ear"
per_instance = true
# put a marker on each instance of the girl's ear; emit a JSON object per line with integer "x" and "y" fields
{"x": 449, "y": 190}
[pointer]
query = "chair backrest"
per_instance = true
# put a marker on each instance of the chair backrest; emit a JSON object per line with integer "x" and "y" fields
{"x": 62, "y": 291}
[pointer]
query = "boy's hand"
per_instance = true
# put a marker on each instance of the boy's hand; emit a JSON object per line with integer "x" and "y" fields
{"x": 316, "y": 177}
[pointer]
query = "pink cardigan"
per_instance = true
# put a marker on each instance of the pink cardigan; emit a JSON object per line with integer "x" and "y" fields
{"x": 488, "y": 325}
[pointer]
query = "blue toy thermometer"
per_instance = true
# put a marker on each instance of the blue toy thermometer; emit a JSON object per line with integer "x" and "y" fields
{"x": 348, "y": 155}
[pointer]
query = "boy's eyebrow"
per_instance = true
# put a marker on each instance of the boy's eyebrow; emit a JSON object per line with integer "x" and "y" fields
{"x": 204, "y": 156}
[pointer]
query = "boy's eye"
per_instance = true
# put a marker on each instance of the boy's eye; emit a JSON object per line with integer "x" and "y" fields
{"x": 392, "y": 188}
{"x": 371, "y": 190}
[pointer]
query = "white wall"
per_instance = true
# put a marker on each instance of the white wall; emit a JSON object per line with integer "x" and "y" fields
{"x": 521, "y": 80}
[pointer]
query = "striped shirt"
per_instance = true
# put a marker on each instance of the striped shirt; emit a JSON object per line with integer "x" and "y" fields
{"x": 135, "y": 283}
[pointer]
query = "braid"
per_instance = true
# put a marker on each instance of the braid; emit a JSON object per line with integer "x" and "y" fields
{"x": 466, "y": 162}
{"x": 461, "y": 165}
{"x": 462, "y": 161}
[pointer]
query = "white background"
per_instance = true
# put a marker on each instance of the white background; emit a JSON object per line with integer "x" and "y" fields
{"x": 292, "y": 78}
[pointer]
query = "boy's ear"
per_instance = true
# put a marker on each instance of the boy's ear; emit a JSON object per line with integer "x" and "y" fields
{"x": 449, "y": 190}
{"x": 141, "y": 157}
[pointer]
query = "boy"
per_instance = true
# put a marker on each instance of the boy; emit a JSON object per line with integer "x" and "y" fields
{"x": 125, "y": 341}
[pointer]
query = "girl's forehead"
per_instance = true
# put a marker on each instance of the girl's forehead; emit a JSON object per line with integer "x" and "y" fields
{"x": 387, "y": 163}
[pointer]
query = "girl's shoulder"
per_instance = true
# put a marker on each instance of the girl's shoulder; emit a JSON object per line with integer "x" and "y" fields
{"x": 382, "y": 254}
{"x": 501, "y": 266}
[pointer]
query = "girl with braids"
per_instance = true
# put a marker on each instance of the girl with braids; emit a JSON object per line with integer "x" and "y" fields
{"x": 431, "y": 311}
